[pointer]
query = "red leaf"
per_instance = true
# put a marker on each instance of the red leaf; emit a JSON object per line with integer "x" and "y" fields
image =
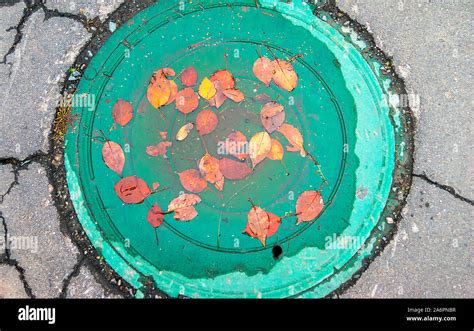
{"x": 132, "y": 190}
{"x": 234, "y": 95}
{"x": 206, "y": 122}
{"x": 258, "y": 224}
{"x": 189, "y": 76}
{"x": 113, "y": 156}
{"x": 187, "y": 100}
{"x": 272, "y": 116}
{"x": 309, "y": 206}
{"x": 275, "y": 222}
{"x": 192, "y": 181}
{"x": 122, "y": 112}
{"x": 160, "y": 149}
{"x": 234, "y": 170}
{"x": 225, "y": 78}
{"x": 155, "y": 216}
{"x": 209, "y": 168}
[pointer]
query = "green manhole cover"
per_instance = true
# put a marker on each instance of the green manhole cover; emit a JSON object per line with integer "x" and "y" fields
{"x": 342, "y": 105}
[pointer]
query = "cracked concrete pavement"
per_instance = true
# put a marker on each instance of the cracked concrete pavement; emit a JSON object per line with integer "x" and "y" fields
{"x": 431, "y": 46}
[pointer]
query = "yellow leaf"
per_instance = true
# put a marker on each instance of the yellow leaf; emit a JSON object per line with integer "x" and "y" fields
{"x": 259, "y": 147}
{"x": 184, "y": 131}
{"x": 207, "y": 89}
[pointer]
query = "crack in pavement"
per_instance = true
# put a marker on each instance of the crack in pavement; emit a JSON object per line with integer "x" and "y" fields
{"x": 74, "y": 273}
{"x": 443, "y": 187}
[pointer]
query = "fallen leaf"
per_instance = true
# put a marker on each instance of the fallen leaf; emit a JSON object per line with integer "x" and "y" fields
{"x": 262, "y": 98}
{"x": 272, "y": 116}
{"x": 173, "y": 92}
{"x": 220, "y": 183}
{"x": 183, "y": 132}
{"x": 207, "y": 89}
{"x": 209, "y": 168}
{"x": 185, "y": 214}
{"x": 236, "y": 145}
{"x": 189, "y": 76}
{"x": 122, "y": 112}
{"x": 160, "y": 149}
{"x": 206, "y": 121}
{"x": 234, "y": 170}
{"x": 234, "y": 95}
{"x": 192, "y": 181}
{"x": 155, "y": 216}
{"x": 258, "y": 224}
{"x": 225, "y": 79}
{"x": 183, "y": 207}
{"x": 113, "y": 156}
{"x": 159, "y": 90}
{"x": 276, "y": 152}
{"x": 264, "y": 69}
{"x": 259, "y": 147}
{"x": 164, "y": 135}
{"x": 132, "y": 190}
{"x": 187, "y": 100}
{"x": 275, "y": 222}
{"x": 309, "y": 206}
{"x": 156, "y": 185}
{"x": 219, "y": 99}
{"x": 294, "y": 137}
{"x": 167, "y": 72}
{"x": 285, "y": 76}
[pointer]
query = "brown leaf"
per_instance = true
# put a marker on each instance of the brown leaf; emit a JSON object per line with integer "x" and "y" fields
{"x": 189, "y": 76}
{"x": 258, "y": 224}
{"x": 183, "y": 132}
{"x": 159, "y": 89}
{"x": 234, "y": 170}
{"x": 192, "y": 181}
{"x": 207, "y": 89}
{"x": 259, "y": 147}
{"x": 160, "y": 149}
{"x": 235, "y": 144}
{"x": 209, "y": 168}
{"x": 206, "y": 122}
{"x": 113, "y": 156}
{"x": 285, "y": 76}
{"x": 272, "y": 116}
{"x": 294, "y": 137}
{"x": 155, "y": 216}
{"x": 225, "y": 78}
{"x": 183, "y": 207}
{"x": 263, "y": 69}
{"x": 122, "y": 112}
{"x": 234, "y": 95}
{"x": 309, "y": 206}
{"x": 276, "y": 152}
{"x": 187, "y": 100}
{"x": 132, "y": 190}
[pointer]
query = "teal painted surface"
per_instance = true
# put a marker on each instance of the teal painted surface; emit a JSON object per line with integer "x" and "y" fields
{"x": 340, "y": 107}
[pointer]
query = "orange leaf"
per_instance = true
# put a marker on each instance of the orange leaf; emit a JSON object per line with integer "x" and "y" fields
{"x": 113, "y": 156}
{"x": 192, "y": 181}
{"x": 234, "y": 170}
{"x": 309, "y": 206}
{"x": 209, "y": 168}
{"x": 183, "y": 132}
{"x": 185, "y": 214}
{"x": 189, "y": 76}
{"x": 155, "y": 216}
{"x": 276, "y": 152}
{"x": 207, "y": 89}
{"x": 159, "y": 89}
{"x": 173, "y": 92}
{"x": 275, "y": 222}
{"x": 235, "y": 145}
{"x": 187, "y": 100}
{"x": 225, "y": 79}
{"x": 259, "y": 147}
{"x": 263, "y": 69}
{"x": 122, "y": 112}
{"x": 258, "y": 224}
{"x": 285, "y": 76}
{"x": 272, "y": 116}
{"x": 132, "y": 190}
{"x": 160, "y": 149}
{"x": 183, "y": 207}
{"x": 294, "y": 137}
{"x": 206, "y": 122}
{"x": 234, "y": 95}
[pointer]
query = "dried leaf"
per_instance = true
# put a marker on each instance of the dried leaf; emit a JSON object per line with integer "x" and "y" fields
{"x": 209, "y": 168}
{"x": 264, "y": 69}
{"x": 183, "y": 207}
{"x": 183, "y": 132}
{"x": 192, "y": 181}
{"x": 309, "y": 206}
{"x": 276, "y": 152}
{"x": 206, "y": 121}
{"x": 187, "y": 100}
{"x": 155, "y": 216}
{"x": 234, "y": 95}
{"x": 259, "y": 147}
{"x": 236, "y": 144}
{"x": 294, "y": 137}
{"x": 258, "y": 224}
{"x": 122, "y": 112}
{"x": 234, "y": 170}
{"x": 272, "y": 116}
{"x": 160, "y": 149}
{"x": 225, "y": 79}
{"x": 113, "y": 156}
{"x": 207, "y": 89}
{"x": 285, "y": 76}
{"x": 159, "y": 89}
{"x": 185, "y": 214}
{"x": 220, "y": 183}
{"x": 132, "y": 190}
{"x": 167, "y": 72}
{"x": 189, "y": 76}
{"x": 173, "y": 92}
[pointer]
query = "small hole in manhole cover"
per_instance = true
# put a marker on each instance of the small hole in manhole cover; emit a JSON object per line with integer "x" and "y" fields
{"x": 277, "y": 251}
